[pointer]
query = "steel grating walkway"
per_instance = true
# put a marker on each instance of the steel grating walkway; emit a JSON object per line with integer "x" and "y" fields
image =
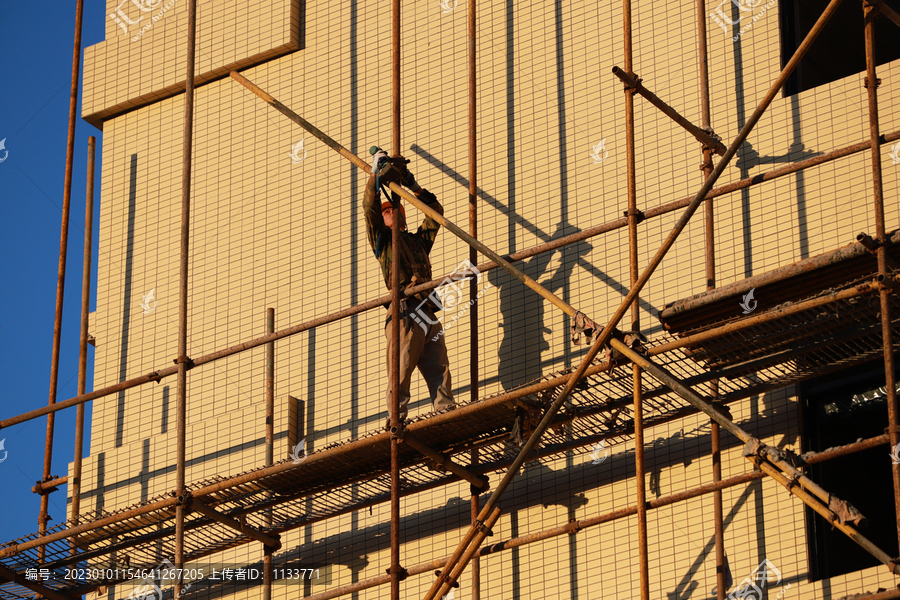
{"x": 779, "y": 350}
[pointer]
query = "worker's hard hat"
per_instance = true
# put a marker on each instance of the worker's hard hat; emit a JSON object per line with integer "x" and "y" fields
{"x": 388, "y": 206}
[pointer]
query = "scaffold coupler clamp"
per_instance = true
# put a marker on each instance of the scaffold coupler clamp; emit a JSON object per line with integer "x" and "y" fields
{"x": 485, "y": 486}
{"x": 184, "y": 359}
{"x": 633, "y": 90}
{"x": 637, "y": 213}
{"x": 573, "y": 527}
{"x": 398, "y": 431}
{"x": 182, "y": 500}
{"x": 154, "y": 376}
{"x": 888, "y": 282}
{"x": 446, "y": 579}
{"x": 479, "y": 525}
{"x": 398, "y": 569}
{"x": 754, "y": 450}
{"x": 708, "y": 131}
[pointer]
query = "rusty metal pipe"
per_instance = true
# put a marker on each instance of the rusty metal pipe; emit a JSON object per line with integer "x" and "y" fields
{"x": 878, "y": 208}
{"x": 182, "y": 360}
{"x": 396, "y": 424}
{"x": 270, "y": 388}
{"x": 483, "y": 531}
{"x": 445, "y": 462}
{"x": 83, "y": 340}
{"x": 632, "y": 83}
{"x": 208, "y": 511}
{"x": 45, "y": 487}
{"x": 61, "y": 275}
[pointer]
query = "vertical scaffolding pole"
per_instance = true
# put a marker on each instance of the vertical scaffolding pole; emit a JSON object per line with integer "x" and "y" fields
{"x": 395, "y": 317}
{"x": 83, "y": 341}
{"x": 473, "y": 258}
{"x": 270, "y": 443}
{"x": 878, "y": 192}
{"x": 182, "y": 360}
{"x": 43, "y": 517}
{"x": 709, "y": 215}
{"x": 632, "y": 213}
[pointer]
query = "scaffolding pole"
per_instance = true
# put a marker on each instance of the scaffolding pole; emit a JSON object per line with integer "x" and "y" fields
{"x": 473, "y": 258}
{"x": 640, "y": 479}
{"x": 870, "y": 12}
{"x": 43, "y": 516}
{"x": 181, "y": 508}
{"x": 395, "y": 570}
{"x": 83, "y": 340}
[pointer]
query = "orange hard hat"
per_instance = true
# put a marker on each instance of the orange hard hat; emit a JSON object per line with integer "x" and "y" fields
{"x": 388, "y": 206}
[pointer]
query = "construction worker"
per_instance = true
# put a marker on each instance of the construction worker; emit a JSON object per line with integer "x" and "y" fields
{"x": 421, "y": 334}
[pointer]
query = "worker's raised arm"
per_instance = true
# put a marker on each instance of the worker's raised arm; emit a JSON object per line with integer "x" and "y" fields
{"x": 428, "y": 230}
{"x": 372, "y": 211}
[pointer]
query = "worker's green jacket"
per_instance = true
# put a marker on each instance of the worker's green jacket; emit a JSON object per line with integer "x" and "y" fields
{"x": 419, "y": 243}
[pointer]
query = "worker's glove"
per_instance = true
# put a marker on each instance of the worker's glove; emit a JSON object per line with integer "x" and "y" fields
{"x": 427, "y": 197}
{"x": 379, "y": 156}
{"x": 410, "y": 181}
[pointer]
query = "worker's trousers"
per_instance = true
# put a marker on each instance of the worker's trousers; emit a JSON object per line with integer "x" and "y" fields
{"x": 427, "y": 351}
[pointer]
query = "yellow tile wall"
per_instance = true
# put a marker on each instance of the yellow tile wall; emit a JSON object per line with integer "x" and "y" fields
{"x": 267, "y": 232}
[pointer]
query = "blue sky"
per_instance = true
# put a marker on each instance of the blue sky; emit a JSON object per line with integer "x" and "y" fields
{"x": 36, "y": 65}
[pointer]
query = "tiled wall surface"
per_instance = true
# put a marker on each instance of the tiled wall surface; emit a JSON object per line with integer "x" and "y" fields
{"x": 270, "y": 232}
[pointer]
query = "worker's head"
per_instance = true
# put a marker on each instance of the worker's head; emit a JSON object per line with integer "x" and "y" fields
{"x": 387, "y": 213}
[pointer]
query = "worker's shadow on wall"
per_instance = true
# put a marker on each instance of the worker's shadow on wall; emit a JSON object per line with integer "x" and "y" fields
{"x": 522, "y": 310}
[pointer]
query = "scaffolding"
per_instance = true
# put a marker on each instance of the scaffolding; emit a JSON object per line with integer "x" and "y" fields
{"x": 841, "y": 309}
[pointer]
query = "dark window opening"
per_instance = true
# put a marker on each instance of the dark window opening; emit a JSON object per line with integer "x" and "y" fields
{"x": 838, "y": 409}
{"x": 840, "y": 49}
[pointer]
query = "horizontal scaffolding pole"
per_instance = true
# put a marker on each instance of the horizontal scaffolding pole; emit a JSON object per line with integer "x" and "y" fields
{"x": 210, "y": 512}
{"x": 45, "y": 591}
{"x": 426, "y": 287}
{"x": 576, "y": 526}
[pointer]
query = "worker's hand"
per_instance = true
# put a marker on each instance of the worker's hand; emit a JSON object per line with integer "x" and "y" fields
{"x": 427, "y": 197}
{"x": 410, "y": 181}
{"x": 376, "y": 159}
